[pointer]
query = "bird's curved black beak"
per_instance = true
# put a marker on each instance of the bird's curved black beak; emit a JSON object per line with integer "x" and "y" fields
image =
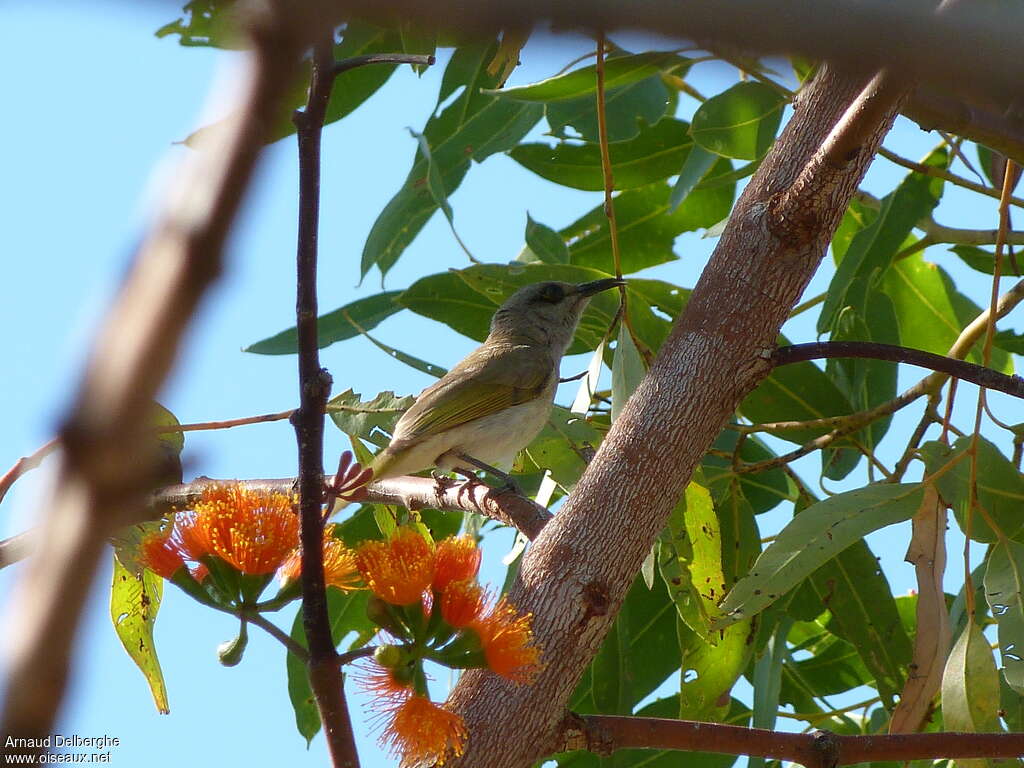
{"x": 589, "y": 289}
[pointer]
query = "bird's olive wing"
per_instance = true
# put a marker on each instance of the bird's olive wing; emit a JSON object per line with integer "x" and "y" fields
{"x": 482, "y": 384}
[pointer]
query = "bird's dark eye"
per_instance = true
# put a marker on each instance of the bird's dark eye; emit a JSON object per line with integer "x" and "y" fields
{"x": 552, "y": 292}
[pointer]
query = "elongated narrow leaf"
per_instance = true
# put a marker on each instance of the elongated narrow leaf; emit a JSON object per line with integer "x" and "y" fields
{"x": 472, "y": 127}
{"x": 339, "y": 325}
{"x": 872, "y": 249}
{"x": 767, "y": 682}
{"x": 618, "y": 71}
{"x": 544, "y": 243}
{"x": 812, "y": 538}
{"x": 708, "y": 672}
{"x": 740, "y": 122}
{"x": 931, "y": 311}
{"x": 1004, "y": 582}
{"x": 696, "y": 167}
{"x": 627, "y": 108}
{"x": 864, "y": 614}
{"x": 692, "y": 522}
{"x": 970, "y": 689}
{"x": 647, "y": 229}
{"x": 347, "y": 612}
{"x": 134, "y": 604}
{"x": 1000, "y": 486}
{"x": 627, "y": 370}
{"x": 657, "y": 152}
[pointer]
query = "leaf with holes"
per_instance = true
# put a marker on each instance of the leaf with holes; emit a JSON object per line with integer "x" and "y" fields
{"x": 134, "y": 604}
{"x": 814, "y": 537}
{"x": 1004, "y": 582}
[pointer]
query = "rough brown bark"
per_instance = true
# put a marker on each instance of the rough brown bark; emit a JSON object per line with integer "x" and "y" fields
{"x": 575, "y": 576}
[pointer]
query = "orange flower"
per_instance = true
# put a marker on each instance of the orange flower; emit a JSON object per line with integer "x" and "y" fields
{"x": 456, "y": 559}
{"x": 422, "y": 732}
{"x": 462, "y": 602}
{"x": 399, "y": 569}
{"x": 508, "y": 643}
{"x": 251, "y": 530}
{"x": 385, "y": 684}
{"x": 339, "y": 564}
{"x": 158, "y": 553}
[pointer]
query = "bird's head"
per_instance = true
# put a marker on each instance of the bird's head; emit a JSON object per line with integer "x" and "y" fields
{"x": 547, "y": 313}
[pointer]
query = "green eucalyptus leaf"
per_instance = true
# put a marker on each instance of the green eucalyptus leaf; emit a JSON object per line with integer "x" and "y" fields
{"x": 970, "y": 689}
{"x": 627, "y": 370}
{"x": 339, "y": 325}
{"x": 931, "y": 311}
{"x": 647, "y": 230}
{"x": 618, "y": 71}
{"x": 656, "y": 153}
{"x": 740, "y": 122}
{"x": 812, "y": 538}
{"x": 472, "y": 127}
{"x": 1004, "y": 582}
{"x": 546, "y": 244}
{"x": 1000, "y": 486}
{"x": 347, "y": 613}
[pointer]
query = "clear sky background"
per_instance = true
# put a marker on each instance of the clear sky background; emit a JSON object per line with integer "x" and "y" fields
{"x": 94, "y": 104}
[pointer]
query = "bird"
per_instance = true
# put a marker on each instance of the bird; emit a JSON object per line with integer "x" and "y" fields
{"x": 492, "y": 404}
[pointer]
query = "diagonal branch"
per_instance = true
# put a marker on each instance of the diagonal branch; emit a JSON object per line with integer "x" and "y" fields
{"x": 575, "y": 576}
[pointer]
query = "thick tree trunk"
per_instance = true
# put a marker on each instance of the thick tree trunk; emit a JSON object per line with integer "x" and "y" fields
{"x": 576, "y": 574}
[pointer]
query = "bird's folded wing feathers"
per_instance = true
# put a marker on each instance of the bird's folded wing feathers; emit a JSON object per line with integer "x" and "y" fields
{"x": 477, "y": 388}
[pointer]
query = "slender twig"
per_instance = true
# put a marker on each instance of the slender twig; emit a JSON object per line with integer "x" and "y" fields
{"x": 609, "y": 202}
{"x": 931, "y": 383}
{"x": 325, "y": 676}
{"x": 422, "y": 60}
{"x": 26, "y": 464}
{"x": 606, "y": 733}
{"x": 940, "y": 173}
{"x": 107, "y": 460}
{"x": 258, "y": 620}
{"x": 961, "y": 369}
{"x": 359, "y": 653}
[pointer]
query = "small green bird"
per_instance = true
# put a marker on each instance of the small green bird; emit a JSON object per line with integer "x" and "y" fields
{"x": 493, "y": 403}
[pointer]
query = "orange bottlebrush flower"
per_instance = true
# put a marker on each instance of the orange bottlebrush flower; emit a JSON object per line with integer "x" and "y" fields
{"x": 399, "y": 569}
{"x": 339, "y": 564}
{"x": 457, "y": 559}
{"x": 159, "y": 553}
{"x": 508, "y": 643}
{"x": 251, "y": 530}
{"x": 424, "y": 733}
{"x": 462, "y": 602}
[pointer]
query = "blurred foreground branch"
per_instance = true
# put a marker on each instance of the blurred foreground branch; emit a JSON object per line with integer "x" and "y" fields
{"x": 108, "y": 462}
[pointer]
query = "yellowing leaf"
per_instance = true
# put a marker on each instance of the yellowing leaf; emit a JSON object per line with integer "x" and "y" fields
{"x": 134, "y": 603}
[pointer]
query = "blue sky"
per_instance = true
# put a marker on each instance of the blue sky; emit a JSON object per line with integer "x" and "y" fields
{"x": 95, "y": 105}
